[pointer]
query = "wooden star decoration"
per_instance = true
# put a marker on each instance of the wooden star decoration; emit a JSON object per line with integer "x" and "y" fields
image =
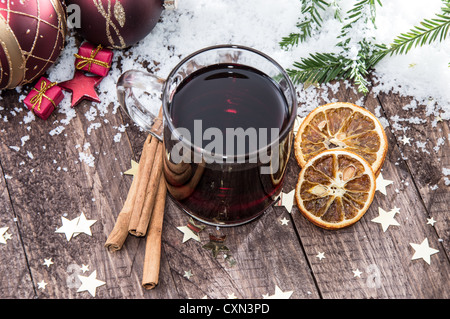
{"x": 84, "y": 268}
{"x": 405, "y": 140}
{"x": 320, "y": 255}
{"x": 357, "y": 273}
{"x": 423, "y": 251}
{"x": 76, "y": 226}
{"x": 287, "y": 200}
{"x": 90, "y": 283}
{"x": 47, "y": 262}
{"x": 284, "y": 221}
{"x": 298, "y": 121}
{"x": 279, "y": 294}
{"x": 382, "y": 183}
{"x": 82, "y": 87}
{"x": 68, "y": 227}
{"x": 83, "y": 225}
{"x": 386, "y": 219}
{"x": 191, "y": 230}
{"x": 430, "y": 221}
{"x": 216, "y": 244}
{"x": 133, "y": 170}
{"x": 188, "y": 274}
{"x": 42, "y": 284}
{"x": 4, "y": 236}
{"x": 7, "y": 236}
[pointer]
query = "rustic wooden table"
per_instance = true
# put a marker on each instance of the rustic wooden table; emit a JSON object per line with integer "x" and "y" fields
{"x": 43, "y": 179}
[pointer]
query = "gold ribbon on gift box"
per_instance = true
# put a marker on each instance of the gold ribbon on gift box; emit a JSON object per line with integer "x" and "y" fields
{"x": 37, "y": 99}
{"x": 87, "y": 61}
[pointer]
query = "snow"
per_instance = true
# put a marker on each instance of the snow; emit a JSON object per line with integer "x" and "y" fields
{"x": 89, "y": 159}
{"x": 195, "y": 24}
{"x": 423, "y": 73}
{"x": 446, "y": 172}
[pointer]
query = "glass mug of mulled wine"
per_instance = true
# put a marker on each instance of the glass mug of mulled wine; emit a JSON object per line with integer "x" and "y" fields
{"x": 226, "y": 122}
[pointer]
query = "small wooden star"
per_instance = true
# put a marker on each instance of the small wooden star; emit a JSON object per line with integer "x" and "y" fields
{"x": 357, "y": 273}
{"x": 82, "y": 87}
{"x": 48, "y": 262}
{"x": 287, "y": 200}
{"x": 431, "y": 221}
{"x": 133, "y": 170}
{"x": 90, "y": 283}
{"x": 7, "y": 236}
{"x": 191, "y": 230}
{"x": 216, "y": 244}
{"x": 42, "y": 284}
{"x": 279, "y": 294}
{"x": 84, "y": 268}
{"x": 405, "y": 140}
{"x": 382, "y": 183}
{"x": 320, "y": 255}
{"x": 298, "y": 121}
{"x": 83, "y": 225}
{"x": 68, "y": 227}
{"x": 386, "y": 219}
{"x": 423, "y": 251}
{"x": 188, "y": 274}
{"x": 3, "y": 235}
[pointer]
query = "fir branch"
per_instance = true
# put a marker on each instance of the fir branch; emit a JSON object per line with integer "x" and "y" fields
{"x": 324, "y": 67}
{"x": 337, "y": 10}
{"x": 427, "y": 32}
{"x": 310, "y": 10}
{"x": 318, "y": 68}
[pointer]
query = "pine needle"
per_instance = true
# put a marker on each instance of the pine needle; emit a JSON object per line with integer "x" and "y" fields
{"x": 323, "y": 67}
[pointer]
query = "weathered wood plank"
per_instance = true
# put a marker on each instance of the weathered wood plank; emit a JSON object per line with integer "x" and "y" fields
{"x": 266, "y": 254}
{"x": 427, "y": 155}
{"x": 50, "y": 180}
{"x": 53, "y": 181}
{"x": 384, "y": 258}
{"x": 15, "y": 281}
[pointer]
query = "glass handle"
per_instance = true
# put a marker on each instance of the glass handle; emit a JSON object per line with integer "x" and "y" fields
{"x": 148, "y": 114}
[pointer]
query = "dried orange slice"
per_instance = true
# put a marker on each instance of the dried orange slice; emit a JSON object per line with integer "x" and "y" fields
{"x": 335, "y": 189}
{"x": 341, "y": 126}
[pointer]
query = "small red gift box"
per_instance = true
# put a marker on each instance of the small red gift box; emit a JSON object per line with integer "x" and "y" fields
{"x": 92, "y": 59}
{"x": 43, "y": 98}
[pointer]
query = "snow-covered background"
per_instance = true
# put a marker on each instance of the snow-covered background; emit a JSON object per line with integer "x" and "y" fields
{"x": 423, "y": 73}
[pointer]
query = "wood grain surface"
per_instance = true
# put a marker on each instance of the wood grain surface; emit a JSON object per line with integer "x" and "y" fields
{"x": 44, "y": 179}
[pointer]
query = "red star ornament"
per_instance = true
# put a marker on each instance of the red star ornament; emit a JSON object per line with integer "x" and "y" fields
{"x": 82, "y": 87}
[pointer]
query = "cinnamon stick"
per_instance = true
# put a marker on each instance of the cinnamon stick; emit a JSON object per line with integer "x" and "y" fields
{"x": 152, "y": 256}
{"x": 150, "y": 194}
{"x": 146, "y": 172}
{"x": 119, "y": 233}
{"x": 145, "y": 168}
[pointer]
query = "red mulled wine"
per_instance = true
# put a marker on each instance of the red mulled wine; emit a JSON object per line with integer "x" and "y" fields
{"x": 227, "y": 113}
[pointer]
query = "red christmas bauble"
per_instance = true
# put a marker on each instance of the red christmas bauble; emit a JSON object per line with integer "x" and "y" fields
{"x": 117, "y": 24}
{"x": 32, "y": 34}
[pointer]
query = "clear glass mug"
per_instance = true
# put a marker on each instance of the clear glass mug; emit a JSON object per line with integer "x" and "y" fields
{"x": 215, "y": 188}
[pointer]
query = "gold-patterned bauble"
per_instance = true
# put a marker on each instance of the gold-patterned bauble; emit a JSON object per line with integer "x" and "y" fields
{"x": 32, "y": 34}
{"x": 117, "y": 24}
